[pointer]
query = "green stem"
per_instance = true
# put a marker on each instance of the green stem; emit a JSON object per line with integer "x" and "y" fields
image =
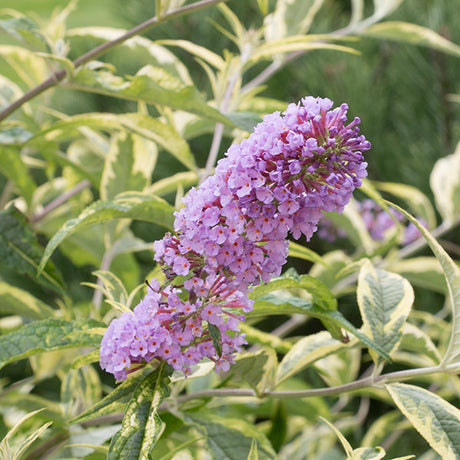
{"x": 366, "y": 382}
{"x": 58, "y": 76}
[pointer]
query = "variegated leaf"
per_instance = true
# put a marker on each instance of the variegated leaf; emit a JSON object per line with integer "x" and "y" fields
{"x": 445, "y": 183}
{"x": 452, "y": 274}
{"x": 385, "y": 300}
{"x": 433, "y": 417}
{"x": 305, "y": 352}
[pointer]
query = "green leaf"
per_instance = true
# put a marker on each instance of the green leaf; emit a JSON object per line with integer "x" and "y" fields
{"x": 6, "y": 451}
{"x": 417, "y": 341}
{"x": 424, "y": 272}
{"x": 216, "y": 338}
{"x": 21, "y": 401}
{"x": 113, "y": 287}
{"x": 164, "y": 134}
{"x": 452, "y": 274}
{"x": 13, "y": 134}
{"x": 337, "y": 261}
{"x": 234, "y": 22}
{"x": 30, "y": 68}
{"x": 290, "y": 17}
{"x": 340, "y": 367}
{"x": 130, "y": 205}
{"x": 137, "y": 49}
{"x": 317, "y": 291}
{"x": 80, "y": 387}
{"x": 321, "y": 295}
{"x": 148, "y": 127}
{"x": 80, "y": 159}
{"x": 445, "y": 183}
{"x": 279, "y": 424}
{"x": 141, "y": 426}
{"x": 13, "y": 167}
{"x": 305, "y": 352}
{"x": 417, "y": 201}
{"x": 20, "y": 251}
{"x": 64, "y": 63}
{"x": 253, "y": 453}
{"x": 433, "y": 417}
{"x": 254, "y": 335}
{"x": 128, "y": 165}
{"x": 272, "y": 305}
{"x": 368, "y": 453}
{"x": 152, "y": 85}
{"x": 276, "y": 284}
{"x": 198, "y": 51}
{"x": 384, "y": 300}
{"x": 261, "y": 105}
{"x": 26, "y": 30}
{"x": 321, "y": 304}
{"x": 89, "y": 358}
{"x": 47, "y": 335}
{"x": 379, "y": 429}
{"x": 412, "y": 33}
{"x": 229, "y": 438}
{"x": 128, "y": 243}
{"x": 197, "y": 370}
{"x": 9, "y": 92}
{"x": 19, "y": 302}
{"x": 83, "y": 248}
{"x": 116, "y": 400}
{"x": 302, "y": 252}
{"x": 297, "y": 43}
{"x": 346, "y": 445}
{"x": 170, "y": 184}
{"x": 258, "y": 369}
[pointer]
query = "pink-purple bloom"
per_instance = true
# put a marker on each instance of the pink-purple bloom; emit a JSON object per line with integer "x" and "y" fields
{"x": 232, "y": 234}
{"x": 378, "y": 223}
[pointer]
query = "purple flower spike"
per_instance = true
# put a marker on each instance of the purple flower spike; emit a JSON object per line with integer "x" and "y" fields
{"x": 232, "y": 234}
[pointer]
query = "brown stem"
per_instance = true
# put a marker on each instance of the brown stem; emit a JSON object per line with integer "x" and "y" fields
{"x": 49, "y": 446}
{"x": 60, "y": 200}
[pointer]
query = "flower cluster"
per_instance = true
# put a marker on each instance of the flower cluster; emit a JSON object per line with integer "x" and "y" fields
{"x": 378, "y": 223}
{"x": 232, "y": 234}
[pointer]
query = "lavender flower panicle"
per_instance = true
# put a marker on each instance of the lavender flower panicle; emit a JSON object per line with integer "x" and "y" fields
{"x": 232, "y": 234}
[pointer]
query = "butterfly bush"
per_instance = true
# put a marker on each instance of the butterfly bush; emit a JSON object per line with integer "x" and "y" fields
{"x": 232, "y": 234}
{"x": 378, "y": 223}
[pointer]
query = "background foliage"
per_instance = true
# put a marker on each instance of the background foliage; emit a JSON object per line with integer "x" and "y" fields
{"x": 92, "y": 169}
